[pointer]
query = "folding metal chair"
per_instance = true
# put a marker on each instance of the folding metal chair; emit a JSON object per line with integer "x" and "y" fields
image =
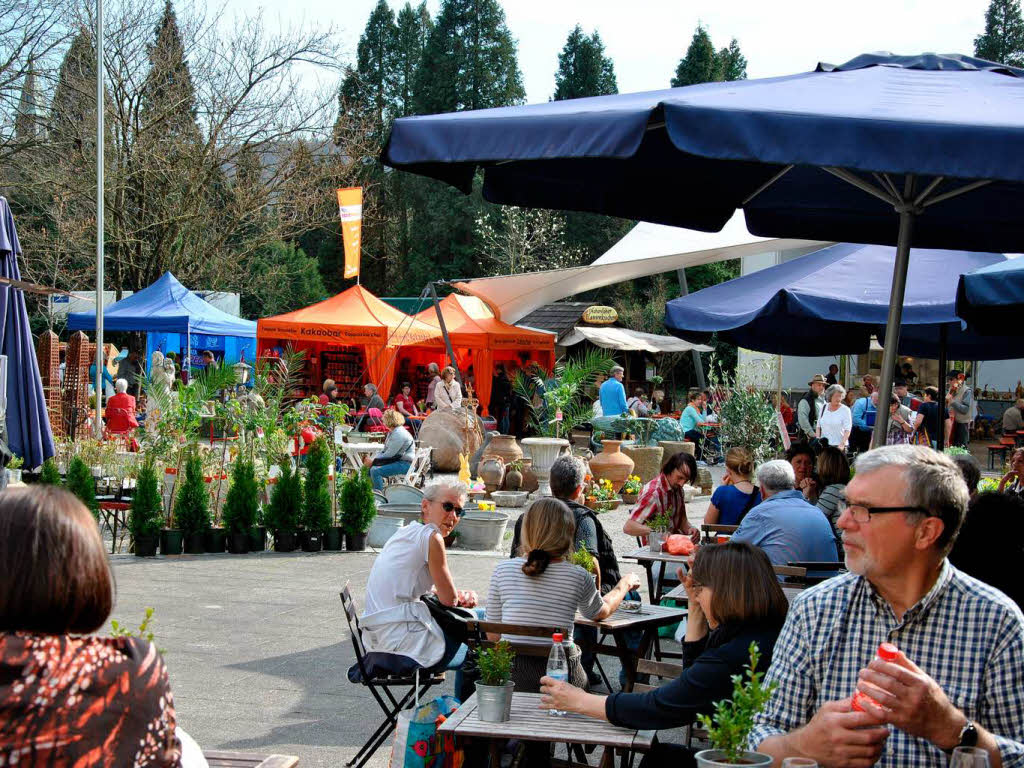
{"x": 380, "y": 675}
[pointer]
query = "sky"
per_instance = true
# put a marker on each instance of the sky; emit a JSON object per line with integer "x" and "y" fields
{"x": 646, "y": 38}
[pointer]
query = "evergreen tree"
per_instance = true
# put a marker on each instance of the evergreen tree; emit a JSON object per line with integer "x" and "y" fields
{"x": 73, "y": 109}
{"x": 26, "y": 122}
{"x": 192, "y": 507}
{"x": 316, "y": 513}
{"x": 583, "y": 69}
{"x": 1003, "y": 38}
{"x": 357, "y": 505}
{"x": 81, "y": 483}
{"x": 732, "y": 63}
{"x": 285, "y": 508}
{"x": 147, "y": 507}
{"x": 50, "y": 475}
{"x": 700, "y": 64}
{"x": 241, "y": 507}
{"x": 168, "y": 95}
{"x": 413, "y": 30}
{"x": 470, "y": 60}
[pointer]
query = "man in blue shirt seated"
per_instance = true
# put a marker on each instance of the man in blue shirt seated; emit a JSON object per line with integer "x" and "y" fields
{"x": 613, "y": 394}
{"x": 864, "y": 411}
{"x": 784, "y": 525}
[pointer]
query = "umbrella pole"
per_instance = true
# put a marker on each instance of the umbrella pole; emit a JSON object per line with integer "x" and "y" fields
{"x": 98, "y": 421}
{"x": 940, "y": 438}
{"x": 892, "y": 327}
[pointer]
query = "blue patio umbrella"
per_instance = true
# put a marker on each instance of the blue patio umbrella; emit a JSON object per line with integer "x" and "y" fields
{"x": 924, "y": 150}
{"x": 28, "y": 424}
{"x": 833, "y": 300}
{"x": 991, "y": 299}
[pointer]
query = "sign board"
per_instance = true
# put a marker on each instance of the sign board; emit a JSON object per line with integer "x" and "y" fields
{"x": 599, "y": 315}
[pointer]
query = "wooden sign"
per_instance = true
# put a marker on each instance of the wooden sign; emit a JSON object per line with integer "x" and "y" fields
{"x": 598, "y": 315}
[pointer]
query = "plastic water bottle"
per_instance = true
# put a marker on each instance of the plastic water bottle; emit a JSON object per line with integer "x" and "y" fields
{"x": 886, "y": 652}
{"x": 558, "y": 665}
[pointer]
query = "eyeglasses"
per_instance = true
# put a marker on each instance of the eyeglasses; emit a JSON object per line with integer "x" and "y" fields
{"x": 862, "y": 514}
{"x": 449, "y": 507}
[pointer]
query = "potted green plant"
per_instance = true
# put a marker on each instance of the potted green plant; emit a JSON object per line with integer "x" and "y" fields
{"x": 631, "y": 489}
{"x": 241, "y": 505}
{"x": 584, "y": 560}
{"x": 50, "y": 474}
{"x": 514, "y": 475}
{"x": 733, "y": 720}
{"x": 14, "y": 469}
{"x": 357, "y": 509}
{"x": 659, "y": 525}
{"x": 282, "y": 514}
{"x": 494, "y": 688}
{"x": 192, "y": 507}
{"x": 316, "y": 509}
{"x": 81, "y": 483}
{"x": 147, "y": 512}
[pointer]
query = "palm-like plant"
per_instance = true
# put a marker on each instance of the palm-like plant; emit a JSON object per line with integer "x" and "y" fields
{"x": 567, "y": 392}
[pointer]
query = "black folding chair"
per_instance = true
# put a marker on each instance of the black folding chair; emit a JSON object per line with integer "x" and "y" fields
{"x": 380, "y": 672}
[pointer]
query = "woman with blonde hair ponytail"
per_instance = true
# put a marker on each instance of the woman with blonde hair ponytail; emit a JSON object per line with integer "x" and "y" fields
{"x": 737, "y": 495}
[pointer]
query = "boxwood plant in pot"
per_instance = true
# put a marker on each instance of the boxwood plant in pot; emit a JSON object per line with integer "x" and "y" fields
{"x": 192, "y": 507}
{"x": 241, "y": 505}
{"x": 316, "y": 511}
{"x": 147, "y": 513}
{"x": 733, "y": 720}
{"x": 357, "y": 509}
{"x": 283, "y": 513}
{"x": 494, "y": 689}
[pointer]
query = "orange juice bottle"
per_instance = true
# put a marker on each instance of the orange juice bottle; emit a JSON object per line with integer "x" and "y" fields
{"x": 886, "y": 652}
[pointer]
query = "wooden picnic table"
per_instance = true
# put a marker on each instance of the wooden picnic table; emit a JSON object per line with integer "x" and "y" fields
{"x": 647, "y": 559}
{"x": 355, "y": 452}
{"x": 528, "y": 722}
{"x": 217, "y": 759}
{"x": 647, "y": 621}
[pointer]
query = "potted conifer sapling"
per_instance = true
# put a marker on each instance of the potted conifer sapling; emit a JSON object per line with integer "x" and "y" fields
{"x": 283, "y": 513}
{"x": 494, "y": 688}
{"x": 50, "y": 474}
{"x": 81, "y": 483}
{"x": 192, "y": 507}
{"x": 357, "y": 509}
{"x": 146, "y": 512}
{"x": 316, "y": 510}
{"x": 241, "y": 505}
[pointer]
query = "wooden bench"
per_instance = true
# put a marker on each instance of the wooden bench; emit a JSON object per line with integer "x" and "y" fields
{"x": 667, "y": 671}
{"x": 218, "y": 759}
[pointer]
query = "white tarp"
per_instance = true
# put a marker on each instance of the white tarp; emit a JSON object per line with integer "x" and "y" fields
{"x": 648, "y": 249}
{"x": 630, "y": 341}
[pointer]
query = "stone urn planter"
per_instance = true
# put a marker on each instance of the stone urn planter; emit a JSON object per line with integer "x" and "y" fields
{"x": 382, "y": 529}
{"x": 543, "y": 452}
{"x": 482, "y": 530}
{"x": 646, "y": 460}
{"x": 612, "y": 464}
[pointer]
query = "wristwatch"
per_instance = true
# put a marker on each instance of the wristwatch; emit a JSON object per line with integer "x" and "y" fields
{"x": 968, "y": 737}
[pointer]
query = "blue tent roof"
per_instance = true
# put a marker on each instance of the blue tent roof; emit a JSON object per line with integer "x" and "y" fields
{"x": 691, "y": 156}
{"x": 991, "y": 299}
{"x": 166, "y": 306}
{"x": 29, "y": 434}
{"x": 831, "y": 301}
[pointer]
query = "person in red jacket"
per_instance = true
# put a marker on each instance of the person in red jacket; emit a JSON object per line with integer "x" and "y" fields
{"x": 120, "y": 410}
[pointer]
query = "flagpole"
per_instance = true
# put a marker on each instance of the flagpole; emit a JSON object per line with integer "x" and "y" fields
{"x": 98, "y": 421}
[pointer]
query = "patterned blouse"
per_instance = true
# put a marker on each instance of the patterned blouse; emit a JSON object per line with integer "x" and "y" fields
{"x": 79, "y": 702}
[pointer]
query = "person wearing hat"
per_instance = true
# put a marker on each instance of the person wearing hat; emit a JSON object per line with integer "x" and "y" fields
{"x": 958, "y": 400}
{"x": 810, "y": 406}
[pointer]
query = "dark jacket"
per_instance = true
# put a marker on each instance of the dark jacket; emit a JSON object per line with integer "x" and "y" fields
{"x": 708, "y": 667}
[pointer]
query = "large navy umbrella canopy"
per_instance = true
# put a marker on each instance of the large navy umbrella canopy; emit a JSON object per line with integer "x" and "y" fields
{"x": 690, "y": 156}
{"x": 166, "y": 306}
{"x": 991, "y": 299}
{"x": 28, "y": 424}
{"x": 831, "y": 301}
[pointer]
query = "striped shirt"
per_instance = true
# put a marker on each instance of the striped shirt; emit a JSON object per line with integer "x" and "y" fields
{"x": 965, "y": 635}
{"x": 548, "y": 600}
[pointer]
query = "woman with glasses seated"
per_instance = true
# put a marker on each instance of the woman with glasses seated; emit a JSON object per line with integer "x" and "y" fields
{"x": 412, "y": 564}
{"x": 734, "y": 600}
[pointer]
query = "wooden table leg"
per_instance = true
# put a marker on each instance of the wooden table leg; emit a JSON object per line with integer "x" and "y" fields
{"x": 495, "y": 753}
{"x": 628, "y": 662}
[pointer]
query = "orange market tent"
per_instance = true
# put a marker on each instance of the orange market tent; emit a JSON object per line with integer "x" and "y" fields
{"x": 351, "y": 338}
{"x": 481, "y": 340}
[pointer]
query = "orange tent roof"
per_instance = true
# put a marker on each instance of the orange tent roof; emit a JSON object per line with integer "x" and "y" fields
{"x": 471, "y": 323}
{"x": 354, "y": 316}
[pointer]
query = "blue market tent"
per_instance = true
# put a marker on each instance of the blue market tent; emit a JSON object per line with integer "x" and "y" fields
{"x": 185, "y": 321}
{"x": 924, "y": 151}
{"x": 832, "y": 300}
{"x": 991, "y": 299}
{"x": 28, "y": 425}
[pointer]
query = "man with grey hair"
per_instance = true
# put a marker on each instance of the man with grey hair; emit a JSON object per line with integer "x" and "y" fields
{"x": 957, "y": 678}
{"x": 784, "y": 525}
{"x": 613, "y": 394}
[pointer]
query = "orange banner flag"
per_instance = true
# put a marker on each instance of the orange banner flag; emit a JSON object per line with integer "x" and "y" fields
{"x": 350, "y": 205}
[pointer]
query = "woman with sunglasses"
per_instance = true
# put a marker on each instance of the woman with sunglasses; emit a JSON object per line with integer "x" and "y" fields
{"x": 734, "y": 600}
{"x": 412, "y": 564}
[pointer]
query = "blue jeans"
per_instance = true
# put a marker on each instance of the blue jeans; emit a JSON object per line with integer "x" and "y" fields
{"x": 377, "y": 474}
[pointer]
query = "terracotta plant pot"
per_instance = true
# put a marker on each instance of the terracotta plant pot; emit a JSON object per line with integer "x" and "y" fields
{"x": 513, "y": 480}
{"x": 530, "y": 482}
{"x": 612, "y": 464}
{"x": 629, "y": 498}
{"x": 646, "y": 460}
{"x": 506, "y": 447}
{"x": 492, "y": 472}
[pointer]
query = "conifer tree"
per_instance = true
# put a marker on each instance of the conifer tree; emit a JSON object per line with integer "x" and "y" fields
{"x": 583, "y": 69}
{"x": 73, "y": 109}
{"x": 700, "y": 64}
{"x": 147, "y": 507}
{"x": 241, "y": 507}
{"x": 732, "y": 63}
{"x": 50, "y": 475}
{"x": 316, "y": 513}
{"x": 26, "y": 122}
{"x": 1003, "y": 38}
{"x": 284, "y": 511}
{"x": 192, "y": 507}
{"x": 81, "y": 483}
{"x": 413, "y": 30}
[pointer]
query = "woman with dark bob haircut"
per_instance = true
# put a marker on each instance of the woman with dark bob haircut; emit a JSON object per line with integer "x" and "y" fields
{"x": 734, "y": 600}
{"x": 68, "y": 699}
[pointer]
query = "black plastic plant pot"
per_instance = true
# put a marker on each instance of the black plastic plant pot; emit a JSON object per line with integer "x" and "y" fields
{"x": 145, "y": 546}
{"x": 333, "y": 539}
{"x": 238, "y": 542}
{"x": 214, "y": 540}
{"x": 258, "y": 539}
{"x": 194, "y": 544}
{"x": 171, "y": 541}
{"x": 285, "y": 542}
{"x": 311, "y": 541}
{"x": 355, "y": 542}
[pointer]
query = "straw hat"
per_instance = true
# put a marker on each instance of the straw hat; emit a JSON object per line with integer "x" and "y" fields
{"x": 818, "y": 379}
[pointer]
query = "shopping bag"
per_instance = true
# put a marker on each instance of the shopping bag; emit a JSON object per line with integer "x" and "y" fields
{"x": 669, "y": 630}
{"x": 417, "y": 742}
